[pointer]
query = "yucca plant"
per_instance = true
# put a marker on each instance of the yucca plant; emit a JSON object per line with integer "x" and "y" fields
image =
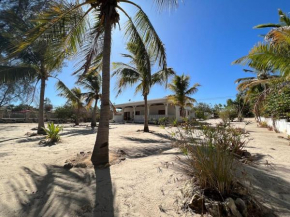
{"x": 52, "y": 132}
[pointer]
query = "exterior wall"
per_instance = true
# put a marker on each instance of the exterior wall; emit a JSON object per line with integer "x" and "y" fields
{"x": 281, "y": 125}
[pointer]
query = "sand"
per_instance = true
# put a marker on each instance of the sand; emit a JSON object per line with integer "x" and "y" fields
{"x": 33, "y": 181}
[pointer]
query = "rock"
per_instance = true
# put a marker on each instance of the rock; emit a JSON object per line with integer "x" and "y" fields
{"x": 80, "y": 165}
{"x": 68, "y": 166}
{"x": 242, "y": 207}
{"x": 231, "y": 206}
{"x": 122, "y": 158}
{"x": 121, "y": 152}
{"x": 197, "y": 203}
{"x": 214, "y": 208}
{"x": 82, "y": 152}
{"x": 246, "y": 154}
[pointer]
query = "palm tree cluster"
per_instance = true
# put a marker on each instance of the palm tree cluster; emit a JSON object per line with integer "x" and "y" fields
{"x": 270, "y": 63}
{"x": 92, "y": 84}
{"x": 65, "y": 28}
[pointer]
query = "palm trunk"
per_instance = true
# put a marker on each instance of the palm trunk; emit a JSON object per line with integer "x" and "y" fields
{"x": 94, "y": 115}
{"x": 100, "y": 154}
{"x": 77, "y": 121}
{"x": 146, "y": 127}
{"x": 41, "y": 107}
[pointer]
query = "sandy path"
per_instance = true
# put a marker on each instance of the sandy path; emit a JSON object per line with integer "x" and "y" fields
{"x": 33, "y": 182}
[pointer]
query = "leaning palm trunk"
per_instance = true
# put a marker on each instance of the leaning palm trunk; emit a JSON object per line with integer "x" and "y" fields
{"x": 94, "y": 122}
{"x": 146, "y": 127}
{"x": 101, "y": 149}
{"x": 40, "y": 129}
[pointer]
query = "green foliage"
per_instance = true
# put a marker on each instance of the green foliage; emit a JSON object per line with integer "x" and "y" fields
{"x": 228, "y": 114}
{"x": 64, "y": 112}
{"x": 202, "y": 111}
{"x": 210, "y": 160}
{"x": 277, "y": 103}
{"x": 180, "y": 86}
{"x": 52, "y": 132}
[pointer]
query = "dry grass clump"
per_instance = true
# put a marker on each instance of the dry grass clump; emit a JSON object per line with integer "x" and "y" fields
{"x": 211, "y": 159}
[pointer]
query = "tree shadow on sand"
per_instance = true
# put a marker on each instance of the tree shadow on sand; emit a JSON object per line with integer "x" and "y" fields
{"x": 271, "y": 189}
{"x": 60, "y": 192}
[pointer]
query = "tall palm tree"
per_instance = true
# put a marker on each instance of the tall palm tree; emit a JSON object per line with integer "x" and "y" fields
{"x": 105, "y": 16}
{"x": 92, "y": 83}
{"x": 74, "y": 97}
{"x": 39, "y": 61}
{"x": 180, "y": 86}
{"x": 138, "y": 71}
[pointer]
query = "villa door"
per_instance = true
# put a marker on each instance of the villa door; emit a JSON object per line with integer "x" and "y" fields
{"x": 126, "y": 116}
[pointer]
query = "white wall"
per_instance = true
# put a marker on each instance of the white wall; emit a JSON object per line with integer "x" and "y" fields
{"x": 281, "y": 125}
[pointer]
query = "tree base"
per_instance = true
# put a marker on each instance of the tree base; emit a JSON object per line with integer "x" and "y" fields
{"x": 146, "y": 129}
{"x": 41, "y": 131}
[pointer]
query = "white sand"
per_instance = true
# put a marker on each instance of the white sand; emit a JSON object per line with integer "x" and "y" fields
{"x": 33, "y": 182}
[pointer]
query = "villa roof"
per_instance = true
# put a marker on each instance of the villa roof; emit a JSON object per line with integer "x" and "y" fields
{"x": 137, "y": 103}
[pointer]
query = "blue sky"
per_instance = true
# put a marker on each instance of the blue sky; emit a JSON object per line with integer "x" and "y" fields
{"x": 202, "y": 38}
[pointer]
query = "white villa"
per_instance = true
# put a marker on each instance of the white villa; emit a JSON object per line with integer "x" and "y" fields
{"x": 157, "y": 108}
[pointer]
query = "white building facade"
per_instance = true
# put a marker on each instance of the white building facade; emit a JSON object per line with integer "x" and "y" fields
{"x": 157, "y": 108}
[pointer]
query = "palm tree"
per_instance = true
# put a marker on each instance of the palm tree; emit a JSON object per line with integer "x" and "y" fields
{"x": 38, "y": 62}
{"x": 92, "y": 82}
{"x": 273, "y": 53}
{"x": 97, "y": 40}
{"x": 263, "y": 78}
{"x": 180, "y": 86}
{"x": 139, "y": 71}
{"x": 283, "y": 18}
{"x": 74, "y": 97}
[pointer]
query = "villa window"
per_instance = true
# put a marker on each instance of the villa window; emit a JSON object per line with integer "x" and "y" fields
{"x": 137, "y": 112}
{"x": 161, "y": 112}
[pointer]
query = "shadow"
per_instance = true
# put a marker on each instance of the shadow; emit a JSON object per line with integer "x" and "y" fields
{"x": 140, "y": 150}
{"x": 271, "y": 189}
{"x": 104, "y": 198}
{"x": 77, "y": 132}
{"x": 144, "y": 141}
{"x": 161, "y": 135}
{"x": 30, "y": 139}
{"x": 6, "y": 140}
{"x": 55, "y": 191}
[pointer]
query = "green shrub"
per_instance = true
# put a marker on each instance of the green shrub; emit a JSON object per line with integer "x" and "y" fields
{"x": 228, "y": 114}
{"x": 52, "y": 132}
{"x": 263, "y": 124}
{"x": 210, "y": 158}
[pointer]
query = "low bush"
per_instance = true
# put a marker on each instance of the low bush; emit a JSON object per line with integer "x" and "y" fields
{"x": 263, "y": 124}
{"x": 210, "y": 159}
{"x": 52, "y": 132}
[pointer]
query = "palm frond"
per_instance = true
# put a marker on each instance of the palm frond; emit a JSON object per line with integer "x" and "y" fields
{"x": 15, "y": 73}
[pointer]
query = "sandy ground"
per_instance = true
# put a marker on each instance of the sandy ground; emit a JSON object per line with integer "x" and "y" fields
{"x": 34, "y": 183}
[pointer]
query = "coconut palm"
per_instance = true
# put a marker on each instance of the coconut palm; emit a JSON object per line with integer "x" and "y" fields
{"x": 74, "y": 97}
{"x": 263, "y": 78}
{"x": 180, "y": 86}
{"x": 92, "y": 83}
{"x": 139, "y": 72}
{"x": 39, "y": 61}
{"x": 273, "y": 54}
{"x": 97, "y": 40}
{"x": 283, "y": 18}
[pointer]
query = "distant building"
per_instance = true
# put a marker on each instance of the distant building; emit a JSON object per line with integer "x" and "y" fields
{"x": 157, "y": 108}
